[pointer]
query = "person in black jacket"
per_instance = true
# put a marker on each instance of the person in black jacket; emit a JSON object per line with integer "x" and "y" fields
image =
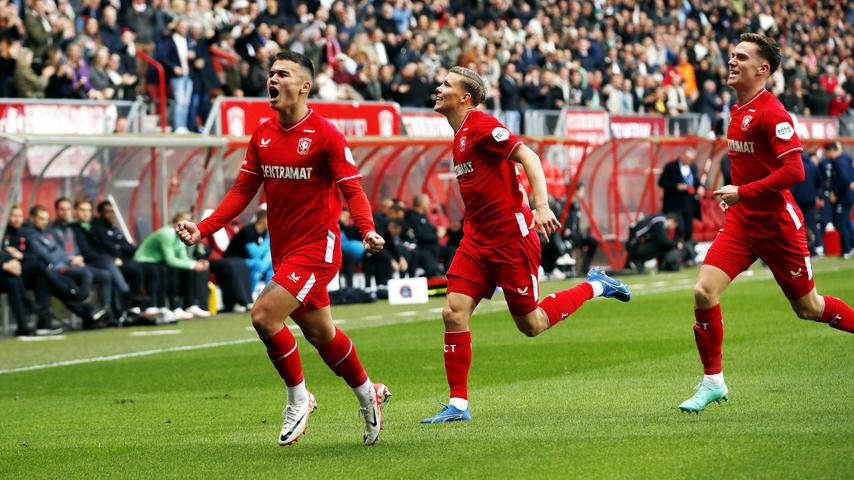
{"x": 650, "y": 238}
{"x": 682, "y": 189}
{"x": 579, "y": 238}
{"x": 426, "y": 254}
{"x": 806, "y": 194}
{"x": 33, "y": 272}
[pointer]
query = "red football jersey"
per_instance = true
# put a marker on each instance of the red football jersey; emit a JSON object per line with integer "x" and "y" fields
{"x": 496, "y": 212}
{"x": 300, "y": 167}
{"x": 760, "y": 134}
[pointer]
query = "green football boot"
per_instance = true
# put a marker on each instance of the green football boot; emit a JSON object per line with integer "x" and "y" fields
{"x": 707, "y": 392}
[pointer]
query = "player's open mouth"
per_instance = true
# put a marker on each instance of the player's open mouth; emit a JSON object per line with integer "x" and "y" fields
{"x": 274, "y": 93}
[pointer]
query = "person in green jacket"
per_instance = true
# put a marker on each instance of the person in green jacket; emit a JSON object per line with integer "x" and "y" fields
{"x": 172, "y": 275}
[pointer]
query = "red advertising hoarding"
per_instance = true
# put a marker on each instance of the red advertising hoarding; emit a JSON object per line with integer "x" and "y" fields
{"x": 240, "y": 116}
{"x": 638, "y": 126}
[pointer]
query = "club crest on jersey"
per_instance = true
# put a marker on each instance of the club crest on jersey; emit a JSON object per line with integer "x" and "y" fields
{"x": 302, "y": 147}
{"x": 745, "y": 124}
{"x": 462, "y": 144}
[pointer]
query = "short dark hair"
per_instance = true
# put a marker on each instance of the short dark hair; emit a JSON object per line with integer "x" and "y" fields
{"x": 768, "y": 48}
{"x": 81, "y": 202}
{"x": 299, "y": 59}
{"x": 102, "y": 205}
{"x": 60, "y": 200}
{"x": 36, "y": 209}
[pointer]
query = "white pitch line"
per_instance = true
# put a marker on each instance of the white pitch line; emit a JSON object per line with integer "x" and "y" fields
{"x": 122, "y": 356}
{"x": 435, "y": 310}
{"x": 42, "y": 339}
{"x": 492, "y": 307}
{"x": 154, "y": 333}
{"x": 408, "y": 313}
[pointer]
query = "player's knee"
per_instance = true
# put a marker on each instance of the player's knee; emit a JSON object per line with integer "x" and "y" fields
{"x": 807, "y": 312}
{"x": 704, "y": 296}
{"x": 529, "y": 329}
{"x": 261, "y": 317}
{"x": 454, "y": 319}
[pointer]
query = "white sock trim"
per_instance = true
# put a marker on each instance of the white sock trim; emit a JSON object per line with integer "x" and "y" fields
{"x": 716, "y": 379}
{"x": 460, "y": 403}
{"x": 365, "y": 393}
{"x": 598, "y": 288}
{"x": 297, "y": 394}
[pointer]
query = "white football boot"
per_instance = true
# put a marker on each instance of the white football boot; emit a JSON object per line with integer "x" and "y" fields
{"x": 373, "y": 414}
{"x": 296, "y": 420}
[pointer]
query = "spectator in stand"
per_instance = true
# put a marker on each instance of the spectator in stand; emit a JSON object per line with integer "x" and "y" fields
{"x": 176, "y": 60}
{"x": 682, "y": 191}
{"x": 426, "y": 235}
{"x": 806, "y": 196}
{"x": 43, "y": 29}
{"x": 12, "y": 284}
{"x": 124, "y": 83}
{"x": 202, "y": 73}
{"x": 109, "y": 29}
{"x": 173, "y": 276}
{"x": 27, "y": 82}
{"x": 677, "y": 99}
{"x": 80, "y": 79}
{"x": 103, "y": 87}
{"x": 70, "y": 281}
{"x": 795, "y": 98}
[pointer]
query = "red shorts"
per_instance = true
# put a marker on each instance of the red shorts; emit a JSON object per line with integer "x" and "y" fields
{"x": 306, "y": 283}
{"x": 476, "y": 272}
{"x": 787, "y": 255}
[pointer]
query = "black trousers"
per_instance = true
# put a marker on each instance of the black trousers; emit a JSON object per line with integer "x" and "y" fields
{"x": 17, "y": 293}
{"x": 156, "y": 278}
{"x": 232, "y": 276}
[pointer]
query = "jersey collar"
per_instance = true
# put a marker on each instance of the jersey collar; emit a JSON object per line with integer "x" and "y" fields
{"x": 303, "y": 119}
{"x": 752, "y": 99}
{"x": 465, "y": 119}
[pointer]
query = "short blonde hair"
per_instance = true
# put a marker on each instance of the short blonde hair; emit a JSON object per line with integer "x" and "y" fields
{"x": 473, "y": 84}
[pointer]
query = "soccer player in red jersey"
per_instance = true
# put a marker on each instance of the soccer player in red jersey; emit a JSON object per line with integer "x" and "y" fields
{"x": 500, "y": 246}
{"x": 762, "y": 219}
{"x": 302, "y": 160}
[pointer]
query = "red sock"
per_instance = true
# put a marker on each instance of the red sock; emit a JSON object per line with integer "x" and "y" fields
{"x": 562, "y": 304}
{"x": 282, "y": 350}
{"x": 709, "y": 335}
{"x": 838, "y": 314}
{"x": 340, "y": 355}
{"x": 457, "y": 362}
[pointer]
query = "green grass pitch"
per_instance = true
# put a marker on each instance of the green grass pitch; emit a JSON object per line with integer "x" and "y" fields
{"x": 595, "y": 397}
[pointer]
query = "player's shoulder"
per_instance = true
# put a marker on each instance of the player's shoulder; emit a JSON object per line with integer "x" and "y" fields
{"x": 320, "y": 123}
{"x": 488, "y": 126}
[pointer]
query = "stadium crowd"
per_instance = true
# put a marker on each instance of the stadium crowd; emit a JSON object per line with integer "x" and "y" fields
{"x": 652, "y": 56}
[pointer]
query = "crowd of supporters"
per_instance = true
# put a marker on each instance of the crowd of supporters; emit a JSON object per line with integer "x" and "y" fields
{"x": 651, "y": 56}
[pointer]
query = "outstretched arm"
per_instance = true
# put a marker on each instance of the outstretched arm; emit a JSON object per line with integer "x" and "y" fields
{"x": 235, "y": 201}
{"x": 545, "y": 220}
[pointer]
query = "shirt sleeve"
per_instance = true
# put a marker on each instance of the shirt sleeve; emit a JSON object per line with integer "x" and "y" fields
{"x": 342, "y": 165}
{"x": 242, "y": 192}
{"x": 780, "y": 131}
{"x": 496, "y": 140}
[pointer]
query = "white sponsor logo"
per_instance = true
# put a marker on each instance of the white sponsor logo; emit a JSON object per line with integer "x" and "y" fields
{"x": 563, "y": 315}
{"x": 739, "y": 146}
{"x": 245, "y": 162}
{"x": 293, "y": 277}
{"x": 522, "y": 291}
{"x": 463, "y": 168}
{"x": 265, "y": 142}
{"x": 796, "y": 273}
{"x": 746, "y": 122}
{"x": 348, "y": 155}
{"x": 288, "y": 173}
{"x": 304, "y": 143}
{"x": 500, "y": 134}
{"x": 784, "y": 130}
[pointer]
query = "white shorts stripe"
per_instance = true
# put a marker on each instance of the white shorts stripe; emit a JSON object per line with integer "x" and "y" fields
{"x": 794, "y": 216}
{"x": 330, "y": 246}
{"x": 536, "y": 287}
{"x": 523, "y": 227}
{"x": 808, "y": 263}
{"x": 306, "y": 288}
